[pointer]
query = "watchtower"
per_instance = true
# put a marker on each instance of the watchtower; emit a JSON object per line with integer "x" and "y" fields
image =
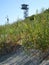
{"x": 25, "y": 8}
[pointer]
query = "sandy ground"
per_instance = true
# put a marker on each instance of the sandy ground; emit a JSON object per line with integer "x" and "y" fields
{"x": 19, "y": 57}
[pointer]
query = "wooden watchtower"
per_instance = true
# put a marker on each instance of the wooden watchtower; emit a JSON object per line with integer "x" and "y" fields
{"x": 25, "y": 8}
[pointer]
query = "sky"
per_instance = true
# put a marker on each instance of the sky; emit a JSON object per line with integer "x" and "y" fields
{"x": 12, "y": 9}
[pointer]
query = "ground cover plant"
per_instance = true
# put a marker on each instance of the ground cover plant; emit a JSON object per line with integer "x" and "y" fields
{"x": 33, "y": 32}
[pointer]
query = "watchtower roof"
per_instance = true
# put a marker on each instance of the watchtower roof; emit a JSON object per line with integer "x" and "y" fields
{"x": 24, "y": 5}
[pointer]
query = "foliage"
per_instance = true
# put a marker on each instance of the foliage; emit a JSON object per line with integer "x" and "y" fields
{"x": 33, "y": 31}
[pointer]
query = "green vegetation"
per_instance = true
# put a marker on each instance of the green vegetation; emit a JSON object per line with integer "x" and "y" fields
{"x": 33, "y": 32}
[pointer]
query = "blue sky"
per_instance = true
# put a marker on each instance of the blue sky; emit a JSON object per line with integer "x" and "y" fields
{"x": 12, "y": 8}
